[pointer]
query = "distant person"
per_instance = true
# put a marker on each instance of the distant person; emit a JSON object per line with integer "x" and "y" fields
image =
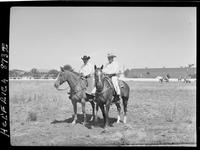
{"x": 112, "y": 70}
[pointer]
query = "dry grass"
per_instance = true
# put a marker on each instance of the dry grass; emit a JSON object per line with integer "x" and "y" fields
{"x": 157, "y": 114}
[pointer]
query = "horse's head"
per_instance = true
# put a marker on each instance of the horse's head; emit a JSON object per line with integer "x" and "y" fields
{"x": 61, "y": 78}
{"x": 98, "y": 75}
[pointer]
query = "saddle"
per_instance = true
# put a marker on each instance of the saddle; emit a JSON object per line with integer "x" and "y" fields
{"x": 107, "y": 78}
{"x": 120, "y": 82}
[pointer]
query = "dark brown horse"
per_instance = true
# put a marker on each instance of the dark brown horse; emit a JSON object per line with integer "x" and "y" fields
{"x": 77, "y": 91}
{"x": 164, "y": 79}
{"x": 186, "y": 80}
{"x": 105, "y": 92}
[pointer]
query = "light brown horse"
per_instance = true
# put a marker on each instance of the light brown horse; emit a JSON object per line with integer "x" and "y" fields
{"x": 105, "y": 92}
{"x": 77, "y": 91}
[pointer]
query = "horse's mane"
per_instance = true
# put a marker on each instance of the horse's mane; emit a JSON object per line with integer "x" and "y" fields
{"x": 69, "y": 68}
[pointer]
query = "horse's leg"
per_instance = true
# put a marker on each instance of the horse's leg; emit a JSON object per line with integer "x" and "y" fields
{"x": 83, "y": 110}
{"x": 96, "y": 112}
{"x": 75, "y": 112}
{"x": 125, "y": 102}
{"x": 103, "y": 112}
{"x": 93, "y": 110}
{"x": 119, "y": 110}
{"x": 107, "y": 114}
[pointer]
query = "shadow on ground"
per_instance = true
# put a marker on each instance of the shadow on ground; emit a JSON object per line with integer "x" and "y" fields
{"x": 89, "y": 124}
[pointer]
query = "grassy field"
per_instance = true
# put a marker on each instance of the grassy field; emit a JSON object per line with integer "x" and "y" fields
{"x": 157, "y": 114}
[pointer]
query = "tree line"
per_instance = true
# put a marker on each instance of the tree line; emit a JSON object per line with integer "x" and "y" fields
{"x": 34, "y": 73}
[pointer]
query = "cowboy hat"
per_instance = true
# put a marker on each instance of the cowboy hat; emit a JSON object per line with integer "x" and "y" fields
{"x": 85, "y": 57}
{"x": 110, "y": 55}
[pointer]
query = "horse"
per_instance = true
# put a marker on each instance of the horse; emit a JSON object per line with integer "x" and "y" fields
{"x": 105, "y": 93}
{"x": 186, "y": 81}
{"x": 77, "y": 91}
{"x": 163, "y": 79}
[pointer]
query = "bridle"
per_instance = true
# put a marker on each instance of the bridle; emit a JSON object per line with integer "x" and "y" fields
{"x": 104, "y": 90}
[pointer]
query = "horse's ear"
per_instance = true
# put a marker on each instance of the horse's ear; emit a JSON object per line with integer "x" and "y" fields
{"x": 61, "y": 68}
{"x": 95, "y": 67}
{"x": 102, "y": 67}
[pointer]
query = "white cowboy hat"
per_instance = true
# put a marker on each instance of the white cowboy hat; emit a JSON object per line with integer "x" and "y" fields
{"x": 111, "y": 55}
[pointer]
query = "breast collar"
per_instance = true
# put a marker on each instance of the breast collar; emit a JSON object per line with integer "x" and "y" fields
{"x": 101, "y": 92}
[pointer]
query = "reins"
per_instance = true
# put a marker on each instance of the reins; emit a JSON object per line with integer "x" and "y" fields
{"x": 104, "y": 90}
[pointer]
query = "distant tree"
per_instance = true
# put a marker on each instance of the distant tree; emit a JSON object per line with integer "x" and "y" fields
{"x": 35, "y": 73}
{"x": 53, "y": 73}
{"x": 13, "y": 73}
{"x": 190, "y": 65}
{"x": 16, "y": 73}
{"x": 192, "y": 76}
{"x": 27, "y": 74}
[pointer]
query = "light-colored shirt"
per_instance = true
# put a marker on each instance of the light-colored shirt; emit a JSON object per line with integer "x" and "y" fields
{"x": 111, "y": 68}
{"x": 87, "y": 69}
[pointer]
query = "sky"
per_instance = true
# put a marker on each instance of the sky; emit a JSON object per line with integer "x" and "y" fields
{"x": 153, "y": 37}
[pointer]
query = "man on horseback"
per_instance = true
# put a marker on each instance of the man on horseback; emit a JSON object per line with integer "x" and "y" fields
{"x": 87, "y": 71}
{"x": 111, "y": 69}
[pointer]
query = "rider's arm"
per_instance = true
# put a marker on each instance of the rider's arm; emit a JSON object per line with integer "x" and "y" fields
{"x": 86, "y": 70}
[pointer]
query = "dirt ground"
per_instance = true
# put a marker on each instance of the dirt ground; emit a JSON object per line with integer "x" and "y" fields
{"x": 158, "y": 113}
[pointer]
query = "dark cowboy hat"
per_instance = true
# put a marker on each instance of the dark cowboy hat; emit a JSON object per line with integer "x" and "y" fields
{"x": 85, "y": 57}
{"x": 110, "y": 55}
